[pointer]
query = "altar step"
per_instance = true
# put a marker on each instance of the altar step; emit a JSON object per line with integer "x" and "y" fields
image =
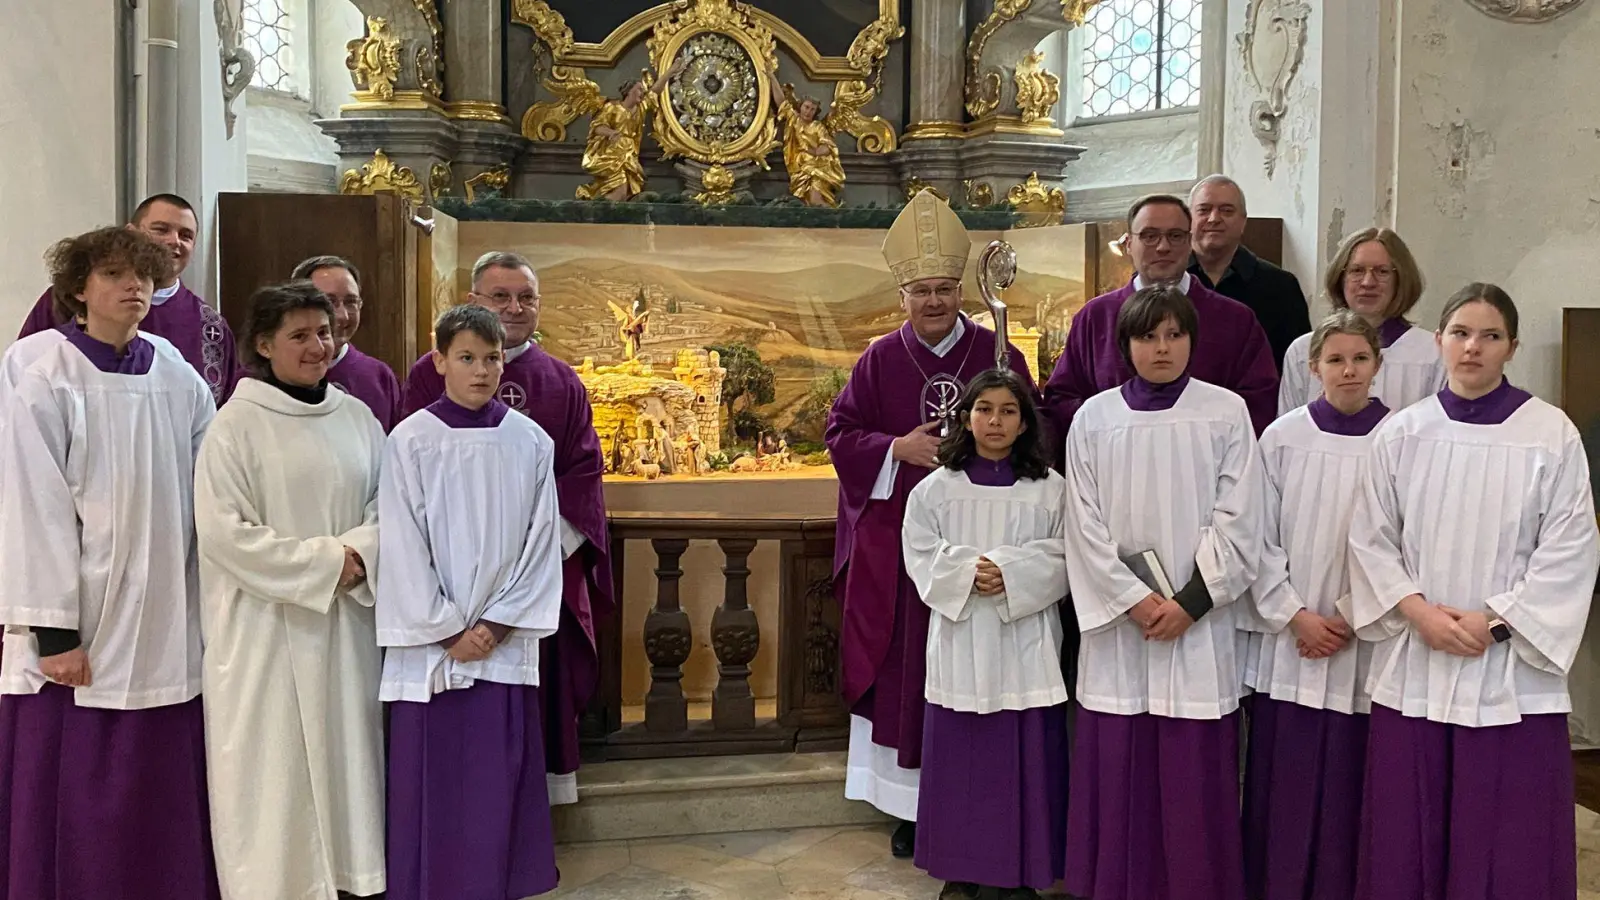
{"x": 635, "y": 799}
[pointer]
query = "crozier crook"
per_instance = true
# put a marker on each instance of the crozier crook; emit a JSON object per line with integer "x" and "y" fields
{"x": 997, "y": 268}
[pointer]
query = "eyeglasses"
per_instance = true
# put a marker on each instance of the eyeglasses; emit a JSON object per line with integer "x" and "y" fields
{"x": 1153, "y": 238}
{"x": 502, "y": 300}
{"x": 1360, "y": 273}
{"x": 948, "y": 292}
{"x": 353, "y": 303}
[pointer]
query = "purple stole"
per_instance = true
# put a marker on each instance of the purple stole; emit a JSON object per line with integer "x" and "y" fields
{"x": 198, "y": 331}
{"x": 895, "y": 386}
{"x": 548, "y": 391}
{"x": 370, "y": 381}
{"x": 1231, "y": 351}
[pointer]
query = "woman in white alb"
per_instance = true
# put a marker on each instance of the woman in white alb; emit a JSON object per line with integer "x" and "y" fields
{"x": 1373, "y": 275}
{"x": 286, "y": 513}
{"x": 1473, "y": 555}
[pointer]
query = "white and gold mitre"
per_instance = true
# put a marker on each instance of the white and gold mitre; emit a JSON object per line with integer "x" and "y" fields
{"x": 926, "y": 240}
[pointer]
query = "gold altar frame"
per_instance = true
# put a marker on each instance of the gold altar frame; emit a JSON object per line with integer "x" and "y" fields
{"x": 757, "y": 42}
{"x": 552, "y": 28}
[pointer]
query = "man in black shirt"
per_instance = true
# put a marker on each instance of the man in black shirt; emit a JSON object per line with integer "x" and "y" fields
{"x": 1228, "y": 268}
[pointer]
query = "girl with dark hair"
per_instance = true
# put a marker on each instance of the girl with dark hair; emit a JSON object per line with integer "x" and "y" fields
{"x": 287, "y": 517}
{"x": 103, "y": 781}
{"x": 1308, "y": 717}
{"x": 1163, "y": 535}
{"x": 982, "y": 541}
{"x": 1473, "y": 552}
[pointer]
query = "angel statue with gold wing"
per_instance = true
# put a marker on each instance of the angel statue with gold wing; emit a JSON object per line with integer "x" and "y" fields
{"x": 630, "y": 325}
{"x": 616, "y": 134}
{"x": 809, "y": 152}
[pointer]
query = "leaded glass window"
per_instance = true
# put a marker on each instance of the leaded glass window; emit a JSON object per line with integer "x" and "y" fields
{"x": 266, "y": 36}
{"x": 1141, "y": 56}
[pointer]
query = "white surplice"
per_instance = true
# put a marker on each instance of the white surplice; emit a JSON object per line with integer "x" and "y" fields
{"x": 1186, "y": 483}
{"x": 987, "y": 654}
{"x": 99, "y": 522}
{"x": 1411, "y": 371}
{"x": 470, "y": 533}
{"x": 1484, "y": 518}
{"x": 293, "y": 725}
{"x": 1312, "y": 478}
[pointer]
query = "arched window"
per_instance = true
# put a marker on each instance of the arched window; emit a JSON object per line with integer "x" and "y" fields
{"x": 267, "y": 35}
{"x": 1140, "y": 56}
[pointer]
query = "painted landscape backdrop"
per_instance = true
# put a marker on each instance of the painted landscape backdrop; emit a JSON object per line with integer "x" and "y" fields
{"x": 806, "y": 301}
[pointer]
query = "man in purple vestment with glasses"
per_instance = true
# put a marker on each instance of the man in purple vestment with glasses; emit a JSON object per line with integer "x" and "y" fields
{"x": 548, "y": 391}
{"x": 883, "y": 435}
{"x": 369, "y": 380}
{"x": 176, "y": 313}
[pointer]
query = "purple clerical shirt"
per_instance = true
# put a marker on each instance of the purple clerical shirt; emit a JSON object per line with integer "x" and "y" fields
{"x": 1357, "y": 424}
{"x": 897, "y": 385}
{"x": 548, "y": 391}
{"x": 198, "y": 331}
{"x": 1492, "y": 408}
{"x": 370, "y": 381}
{"x": 1231, "y": 351}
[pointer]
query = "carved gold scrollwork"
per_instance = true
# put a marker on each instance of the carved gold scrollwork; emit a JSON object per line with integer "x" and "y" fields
{"x": 1077, "y": 11}
{"x": 983, "y": 86}
{"x": 1272, "y": 44}
{"x": 382, "y": 176}
{"x": 1039, "y": 204}
{"x": 1038, "y": 90}
{"x": 915, "y": 186}
{"x": 427, "y": 73}
{"x": 686, "y": 104}
{"x": 718, "y": 183}
{"x": 495, "y": 179}
{"x": 576, "y": 96}
{"x": 430, "y": 14}
{"x": 374, "y": 60}
{"x": 439, "y": 179}
{"x": 980, "y": 194}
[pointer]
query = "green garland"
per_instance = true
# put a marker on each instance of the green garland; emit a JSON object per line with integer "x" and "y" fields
{"x": 650, "y": 208}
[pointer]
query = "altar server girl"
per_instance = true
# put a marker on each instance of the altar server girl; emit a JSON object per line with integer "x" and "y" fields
{"x": 286, "y": 503}
{"x": 102, "y": 746}
{"x": 1308, "y": 717}
{"x": 1374, "y": 275}
{"x": 982, "y": 540}
{"x": 1163, "y": 481}
{"x": 1473, "y": 557}
{"x": 470, "y": 581}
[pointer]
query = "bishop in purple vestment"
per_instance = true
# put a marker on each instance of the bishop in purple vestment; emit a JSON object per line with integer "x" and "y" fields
{"x": 882, "y": 435}
{"x": 359, "y": 375}
{"x": 176, "y": 313}
{"x": 548, "y": 391}
{"x": 1231, "y": 350}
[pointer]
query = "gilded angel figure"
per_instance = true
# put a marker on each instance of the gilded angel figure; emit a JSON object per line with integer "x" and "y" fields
{"x": 616, "y": 135}
{"x": 809, "y": 152}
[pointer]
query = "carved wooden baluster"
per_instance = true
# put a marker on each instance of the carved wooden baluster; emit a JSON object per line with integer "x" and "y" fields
{"x": 735, "y": 636}
{"x": 667, "y": 641}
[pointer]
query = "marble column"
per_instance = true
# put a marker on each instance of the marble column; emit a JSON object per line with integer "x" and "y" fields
{"x": 474, "y": 49}
{"x": 930, "y": 148}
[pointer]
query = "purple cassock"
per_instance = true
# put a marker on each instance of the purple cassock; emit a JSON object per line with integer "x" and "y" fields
{"x": 370, "y": 381}
{"x": 103, "y": 802}
{"x": 896, "y": 386}
{"x": 1231, "y": 351}
{"x": 992, "y": 795}
{"x": 1304, "y": 774}
{"x": 548, "y": 391}
{"x": 199, "y": 332}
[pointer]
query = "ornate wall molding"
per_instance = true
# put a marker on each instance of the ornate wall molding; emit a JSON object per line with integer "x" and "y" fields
{"x": 417, "y": 83}
{"x": 1525, "y": 11}
{"x": 1273, "y": 46}
{"x": 1038, "y": 90}
{"x": 382, "y": 176}
{"x": 238, "y": 65}
{"x": 983, "y": 86}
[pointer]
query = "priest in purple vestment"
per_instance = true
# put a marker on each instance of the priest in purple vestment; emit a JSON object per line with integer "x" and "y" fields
{"x": 548, "y": 391}
{"x": 1235, "y": 354}
{"x": 176, "y": 313}
{"x": 369, "y": 380}
{"x": 883, "y": 435}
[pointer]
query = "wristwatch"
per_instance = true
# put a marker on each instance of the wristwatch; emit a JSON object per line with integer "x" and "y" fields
{"x": 1499, "y": 630}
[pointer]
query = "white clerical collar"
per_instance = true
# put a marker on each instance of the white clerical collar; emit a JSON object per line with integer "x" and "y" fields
{"x": 513, "y": 352}
{"x": 162, "y": 295}
{"x": 1183, "y": 283}
{"x": 949, "y": 342}
{"x": 339, "y": 357}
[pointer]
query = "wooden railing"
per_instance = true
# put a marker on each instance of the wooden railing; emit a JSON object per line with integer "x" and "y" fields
{"x": 810, "y": 715}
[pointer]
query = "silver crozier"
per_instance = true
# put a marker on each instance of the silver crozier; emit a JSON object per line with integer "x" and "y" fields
{"x": 997, "y": 268}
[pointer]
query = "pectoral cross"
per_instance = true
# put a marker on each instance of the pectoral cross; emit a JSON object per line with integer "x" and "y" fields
{"x": 945, "y": 413}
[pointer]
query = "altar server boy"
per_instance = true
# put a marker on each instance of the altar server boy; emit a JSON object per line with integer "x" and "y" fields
{"x": 469, "y": 580}
{"x": 1163, "y": 535}
{"x": 1473, "y": 555}
{"x": 1308, "y": 720}
{"x": 982, "y": 540}
{"x": 102, "y": 743}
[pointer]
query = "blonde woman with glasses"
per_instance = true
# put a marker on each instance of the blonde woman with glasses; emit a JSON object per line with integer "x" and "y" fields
{"x": 1374, "y": 276}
